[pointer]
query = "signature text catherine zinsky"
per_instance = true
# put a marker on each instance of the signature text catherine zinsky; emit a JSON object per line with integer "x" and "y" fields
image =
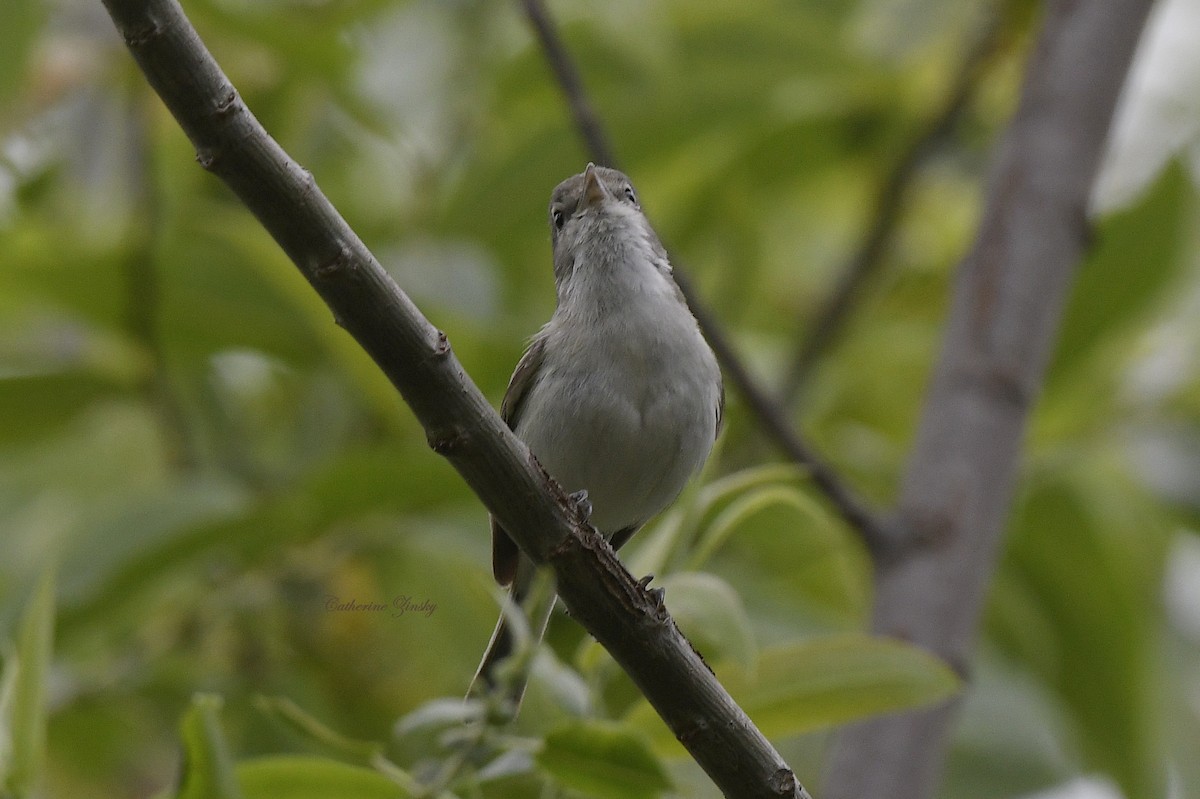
{"x": 399, "y": 606}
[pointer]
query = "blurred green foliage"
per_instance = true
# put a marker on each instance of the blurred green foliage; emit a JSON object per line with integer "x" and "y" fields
{"x": 212, "y": 468}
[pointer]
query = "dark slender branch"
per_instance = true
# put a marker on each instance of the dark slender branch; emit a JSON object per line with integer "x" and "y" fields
{"x": 873, "y": 528}
{"x": 831, "y": 318}
{"x": 627, "y": 618}
{"x": 143, "y": 292}
{"x": 771, "y": 417}
{"x": 1008, "y": 299}
{"x": 571, "y": 84}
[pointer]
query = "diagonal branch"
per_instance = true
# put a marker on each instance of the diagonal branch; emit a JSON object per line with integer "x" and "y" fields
{"x": 874, "y": 530}
{"x": 831, "y": 317}
{"x": 629, "y": 620}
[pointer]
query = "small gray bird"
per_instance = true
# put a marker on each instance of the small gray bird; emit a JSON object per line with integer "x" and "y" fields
{"x": 618, "y": 395}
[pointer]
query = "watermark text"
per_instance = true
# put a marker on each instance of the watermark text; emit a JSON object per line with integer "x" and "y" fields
{"x": 400, "y": 605}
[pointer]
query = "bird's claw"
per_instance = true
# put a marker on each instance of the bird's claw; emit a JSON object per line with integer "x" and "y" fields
{"x": 659, "y": 595}
{"x": 580, "y": 498}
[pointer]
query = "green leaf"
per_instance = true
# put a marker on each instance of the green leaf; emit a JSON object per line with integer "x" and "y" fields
{"x": 654, "y": 549}
{"x": 438, "y": 714}
{"x": 23, "y": 694}
{"x": 820, "y": 683}
{"x": 139, "y": 525}
{"x": 1011, "y": 737}
{"x": 1073, "y": 603}
{"x": 791, "y": 548}
{"x": 312, "y": 728}
{"x": 747, "y": 505}
{"x": 37, "y": 405}
{"x": 1136, "y": 255}
{"x": 602, "y": 760}
{"x": 295, "y": 777}
{"x": 208, "y": 771}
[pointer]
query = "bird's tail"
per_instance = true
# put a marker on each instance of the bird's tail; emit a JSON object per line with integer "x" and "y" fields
{"x": 509, "y": 655}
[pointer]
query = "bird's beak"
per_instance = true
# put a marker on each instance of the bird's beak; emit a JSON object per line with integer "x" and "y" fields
{"x": 593, "y": 189}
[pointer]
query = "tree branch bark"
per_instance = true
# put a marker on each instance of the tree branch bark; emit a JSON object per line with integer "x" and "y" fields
{"x": 629, "y": 620}
{"x": 772, "y": 417}
{"x": 1008, "y": 299}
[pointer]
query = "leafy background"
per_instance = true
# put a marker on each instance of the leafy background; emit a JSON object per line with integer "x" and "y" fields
{"x": 194, "y": 459}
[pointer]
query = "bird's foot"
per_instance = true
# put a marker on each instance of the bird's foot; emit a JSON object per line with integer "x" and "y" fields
{"x": 582, "y": 503}
{"x": 659, "y": 595}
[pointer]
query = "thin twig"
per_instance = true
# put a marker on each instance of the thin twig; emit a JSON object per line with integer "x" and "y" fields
{"x": 571, "y": 84}
{"x": 829, "y": 321}
{"x": 771, "y": 417}
{"x": 143, "y": 294}
{"x": 853, "y": 509}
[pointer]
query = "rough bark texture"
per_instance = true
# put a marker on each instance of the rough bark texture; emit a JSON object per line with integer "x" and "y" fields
{"x": 1008, "y": 299}
{"x": 629, "y": 620}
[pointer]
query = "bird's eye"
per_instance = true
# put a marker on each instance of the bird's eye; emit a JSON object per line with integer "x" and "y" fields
{"x": 556, "y": 216}
{"x": 629, "y": 194}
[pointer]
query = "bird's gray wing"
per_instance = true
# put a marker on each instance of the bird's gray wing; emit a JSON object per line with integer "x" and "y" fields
{"x": 505, "y": 554}
{"x": 523, "y": 377}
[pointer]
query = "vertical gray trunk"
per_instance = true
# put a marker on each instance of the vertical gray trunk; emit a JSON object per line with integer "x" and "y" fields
{"x": 1008, "y": 299}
